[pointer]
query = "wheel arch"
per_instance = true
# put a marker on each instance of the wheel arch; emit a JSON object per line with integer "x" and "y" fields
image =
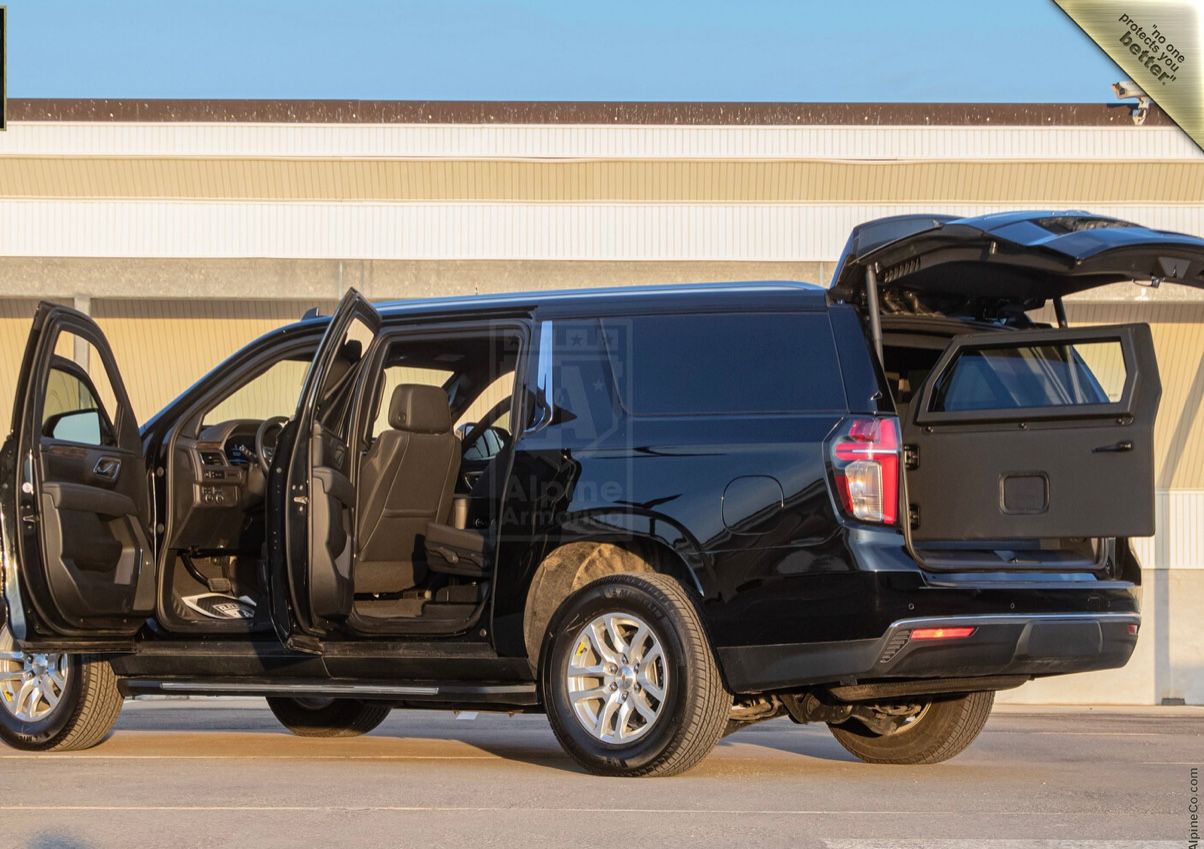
{"x": 571, "y": 565}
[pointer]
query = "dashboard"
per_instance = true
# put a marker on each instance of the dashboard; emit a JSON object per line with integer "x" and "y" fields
{"x": 220, "y": 468}
{"x": 240, "y": 449}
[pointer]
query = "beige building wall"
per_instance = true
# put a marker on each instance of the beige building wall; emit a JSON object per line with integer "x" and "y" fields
{"x": 16, "y": 319}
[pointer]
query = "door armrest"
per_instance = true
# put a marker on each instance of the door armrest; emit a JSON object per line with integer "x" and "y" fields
{"x": 89, "y": 499}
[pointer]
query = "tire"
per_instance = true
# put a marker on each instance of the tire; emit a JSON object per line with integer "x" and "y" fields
{"x": 328, "y": 717}
{"x": 686, "y": 721}
{"x": 88, "y": 707}
{"x": 944, "y": 728}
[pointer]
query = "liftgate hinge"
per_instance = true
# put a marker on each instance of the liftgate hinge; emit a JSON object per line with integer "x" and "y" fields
{"x": 911, "y": 456}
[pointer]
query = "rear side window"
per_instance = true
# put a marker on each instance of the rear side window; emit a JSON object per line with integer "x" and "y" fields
{"x": 1006, "y": 378}
{"x": 744, "y": 363}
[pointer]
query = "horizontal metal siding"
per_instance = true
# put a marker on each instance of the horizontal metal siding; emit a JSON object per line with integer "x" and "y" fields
{"x": 594, "y": 141}
{"x": 1020, "y": 183}
{"x": 1179, "y": 540}
{"x": 584, "y": 231}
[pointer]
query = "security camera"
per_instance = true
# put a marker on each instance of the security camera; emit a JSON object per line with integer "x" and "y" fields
{"x": 1126, "y": 89}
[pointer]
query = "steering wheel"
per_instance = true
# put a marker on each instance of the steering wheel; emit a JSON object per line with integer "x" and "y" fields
{"x": 264, "y": 454}
{"x": 492, "y": 415}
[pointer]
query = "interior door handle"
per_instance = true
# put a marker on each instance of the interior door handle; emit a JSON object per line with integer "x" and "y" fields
{"x": 1115, "y": 448}
{"x": 107, "y": 468}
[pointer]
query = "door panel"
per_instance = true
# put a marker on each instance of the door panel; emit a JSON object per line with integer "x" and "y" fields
{"x": 1036, "y": 434}
{"x": 79, "y": 517}
{"x": 313, "y": 499}
{"x": 332, "y": 506}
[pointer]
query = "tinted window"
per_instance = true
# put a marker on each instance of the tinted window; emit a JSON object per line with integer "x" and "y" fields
{"x": 71, "y": 411}
{"x": 1001, "y": 378}
{"x": 713, "y": 364}
{"x": 78, "y": 400}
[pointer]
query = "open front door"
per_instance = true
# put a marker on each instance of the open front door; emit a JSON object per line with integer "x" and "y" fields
{"x": 78, "y": 565}
{"x": 312, "y": 494}
{"x": 1036, "y": 435}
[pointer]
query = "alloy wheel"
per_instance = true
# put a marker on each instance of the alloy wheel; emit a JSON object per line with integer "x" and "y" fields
{"x": 617, "y": 678}
{"x": 31, "y": 684}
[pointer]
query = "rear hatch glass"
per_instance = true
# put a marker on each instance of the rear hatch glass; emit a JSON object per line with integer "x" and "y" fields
{"x": 1032, "y": 376}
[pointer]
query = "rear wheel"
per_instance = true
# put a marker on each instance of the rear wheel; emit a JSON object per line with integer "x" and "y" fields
{"x": 629, "y": 681}
{"x": 916, "y": 733}
{"x": 55, "y": 702}
{"x": 328, "y": 717}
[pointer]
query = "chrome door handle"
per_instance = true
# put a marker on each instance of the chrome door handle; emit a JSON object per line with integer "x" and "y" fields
{"x": 107, "y": 467}
{"x": 1115, "y": 448}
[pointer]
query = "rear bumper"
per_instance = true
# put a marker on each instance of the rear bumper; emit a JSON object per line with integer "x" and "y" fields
{"x": 1000, "y": 645}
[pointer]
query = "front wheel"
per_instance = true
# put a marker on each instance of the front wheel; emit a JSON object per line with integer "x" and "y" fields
{"x": 328, "y": 717}
{"x": 919, "y": 733}
{"x": 55, "y": 702}
{"x": 630, "y": 684}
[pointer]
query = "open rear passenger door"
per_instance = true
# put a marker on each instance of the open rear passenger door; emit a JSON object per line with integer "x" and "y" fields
{"x": 312, "y": 495}
{"x": 78, "y": 564}
{"x": 1036, "y": 434}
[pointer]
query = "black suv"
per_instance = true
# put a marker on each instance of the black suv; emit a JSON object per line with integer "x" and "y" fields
{"x": 656, "y": 514}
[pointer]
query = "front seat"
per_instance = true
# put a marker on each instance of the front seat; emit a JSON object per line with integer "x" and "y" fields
{"x": 406, "y": 481}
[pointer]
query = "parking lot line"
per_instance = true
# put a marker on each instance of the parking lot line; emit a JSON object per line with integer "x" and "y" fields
{"x": 498, "y": 809}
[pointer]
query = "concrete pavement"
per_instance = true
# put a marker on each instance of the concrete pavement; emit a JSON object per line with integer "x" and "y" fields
{"x": 222, "y": 773}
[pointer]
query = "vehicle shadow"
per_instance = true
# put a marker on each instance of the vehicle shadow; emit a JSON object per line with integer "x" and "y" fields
{"x": 782, "y": 735}
{"x": 49, "y": 840}
{"x": 773, "y": 746}
{"x": 762, "y": 744}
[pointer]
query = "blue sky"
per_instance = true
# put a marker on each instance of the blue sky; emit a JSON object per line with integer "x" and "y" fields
{"x": 926, "y": 50}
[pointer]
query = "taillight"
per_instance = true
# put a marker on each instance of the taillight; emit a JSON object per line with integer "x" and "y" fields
{"x": 865, "y": 468}
{"x": 941, "y": 633}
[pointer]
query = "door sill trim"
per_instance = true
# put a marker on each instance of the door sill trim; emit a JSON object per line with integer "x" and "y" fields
{"x": 502, "y": 694}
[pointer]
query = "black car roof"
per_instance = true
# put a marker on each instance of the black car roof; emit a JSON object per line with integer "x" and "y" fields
{"x": 669, "y": 296}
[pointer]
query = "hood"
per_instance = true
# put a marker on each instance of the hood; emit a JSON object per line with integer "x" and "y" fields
{"x": 996, "y": 265}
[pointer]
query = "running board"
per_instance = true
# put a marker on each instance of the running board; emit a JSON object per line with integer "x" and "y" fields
{"x": 502, "y": 695}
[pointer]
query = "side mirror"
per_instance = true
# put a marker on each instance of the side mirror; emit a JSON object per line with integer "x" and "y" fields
{"x": 75, "y": 426}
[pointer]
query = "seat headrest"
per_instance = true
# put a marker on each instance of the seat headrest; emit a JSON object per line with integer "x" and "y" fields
{"x": 420, "y": 409}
